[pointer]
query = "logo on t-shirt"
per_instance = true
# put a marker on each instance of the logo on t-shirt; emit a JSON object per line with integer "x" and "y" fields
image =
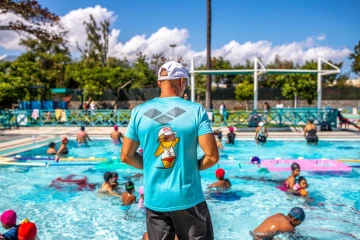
{"x": 167, "y": 141}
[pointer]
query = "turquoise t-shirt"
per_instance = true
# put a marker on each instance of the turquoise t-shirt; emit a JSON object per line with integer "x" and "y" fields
{"x": 168, "y": 130}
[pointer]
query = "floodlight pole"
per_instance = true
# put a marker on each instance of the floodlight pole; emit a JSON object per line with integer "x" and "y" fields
{"x": 192, "y": 84}
{"x": 319, "y": 84}
{"x": 255, "y": 84}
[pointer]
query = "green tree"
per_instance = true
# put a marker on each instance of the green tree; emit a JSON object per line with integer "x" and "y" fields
{"x": 301, "y": 85}
{"x": 244, "y": 92}
{"x": 222, "y": 64}
{"x": 355, "y": 57}
{"x": 36, "y": 20}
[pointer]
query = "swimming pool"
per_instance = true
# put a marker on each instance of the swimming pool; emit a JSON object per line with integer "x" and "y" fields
{"x": 70, "y": 214}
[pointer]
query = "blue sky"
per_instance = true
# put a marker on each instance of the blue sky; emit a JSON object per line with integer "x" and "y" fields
{"x": 278, "y": 22}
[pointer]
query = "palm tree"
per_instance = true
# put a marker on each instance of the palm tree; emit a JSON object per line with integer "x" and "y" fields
{"x": 208, "y": 98}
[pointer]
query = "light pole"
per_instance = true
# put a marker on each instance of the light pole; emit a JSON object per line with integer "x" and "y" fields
{"x": 173, "y": 46}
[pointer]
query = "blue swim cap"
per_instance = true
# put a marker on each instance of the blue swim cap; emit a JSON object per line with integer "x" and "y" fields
{"x": 297, "y": 213}
{"x": 255, "y": 160}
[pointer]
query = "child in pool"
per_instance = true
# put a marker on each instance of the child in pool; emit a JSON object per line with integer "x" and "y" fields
{"x": 291, "y": 180}
{"x": 301, "y": 186}
{"x": 221, "y": 183}
{"x": 27, "y": 231}
{"x": 128, "y": 197}
{"x": 141, "y": 199}
{"x": 8, "y": 221}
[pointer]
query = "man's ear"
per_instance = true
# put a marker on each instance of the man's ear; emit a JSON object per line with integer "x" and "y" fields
{"x": 159, "y": 83}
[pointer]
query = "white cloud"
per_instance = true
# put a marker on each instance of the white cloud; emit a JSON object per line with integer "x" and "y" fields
{"x": 321, "y": 37}
{"x": 159, "y": 42}
{"x": 9, "y": 40}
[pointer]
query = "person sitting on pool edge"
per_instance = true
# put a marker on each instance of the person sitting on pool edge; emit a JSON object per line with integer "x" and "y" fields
{"x": 116, "y": 136}
{"x": 231, "y": 136}
{"x": 291, "y": 180}
{"x": 279, "y": 223}
{"x": 110, "y": 185}
{"x": 82, "y": 136}
{"x": 261, "y": 133}
{"x": 310, "y": 132}
{"x": 51, "y": 150}
{"x": 128, "y": 197}
{"x": 221, "y": 183}
{"x": 63, "y": 147}
{"x": 8, "y": 221}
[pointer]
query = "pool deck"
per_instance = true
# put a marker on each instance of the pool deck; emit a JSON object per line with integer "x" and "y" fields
{"x": 25, "y": 138}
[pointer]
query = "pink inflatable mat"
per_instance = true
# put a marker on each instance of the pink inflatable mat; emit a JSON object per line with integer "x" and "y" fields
{"x": 310, "y": 165}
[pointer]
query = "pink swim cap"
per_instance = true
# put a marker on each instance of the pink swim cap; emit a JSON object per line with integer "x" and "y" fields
{"x": 231, "y": 129}
{"x": 141, "y": 190}
{"x": 116, "y": 128}
{"x": 8, "y": 218}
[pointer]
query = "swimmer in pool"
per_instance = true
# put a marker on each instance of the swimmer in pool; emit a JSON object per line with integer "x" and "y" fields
{"x": 231, "y": 136}
{"x": 218, "y": 142}
{"x": 261, "y": 133}
{"x": 116, "y": 136}
{"x": 63, "y": 147}
{"x": 110, "y": 185}
{"x": 300, "y": 187}
{"x": 279, "y": 223}
{"x": 128, "y": 197}
{"x": 310, "y": 132}
{"x": 291, "y": 180}
{"x": 221, "y": 183}
{"x": 51, "y": 150}
{"x": 82, "y": 136}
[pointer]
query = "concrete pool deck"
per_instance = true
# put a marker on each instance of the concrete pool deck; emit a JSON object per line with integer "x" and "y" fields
{"x": 25, "y": 138}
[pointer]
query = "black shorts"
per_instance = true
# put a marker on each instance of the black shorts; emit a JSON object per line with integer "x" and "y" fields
{"x": 191, "y": 223}
{"x": 261, "y": 139}
{"x": 312, "y": 139}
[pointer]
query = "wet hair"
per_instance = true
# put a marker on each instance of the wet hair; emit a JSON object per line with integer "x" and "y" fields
{"x": 52, "y": 144}
{"x": 107, "y": 176}
{"x": 114, "y": 174}
{"x": 82, "y": 128}
{"x": 295, "y": 166}
{"x": 129, "y": 185}
{"x": 301, "y": 178}
{"x": 310, "y": 121}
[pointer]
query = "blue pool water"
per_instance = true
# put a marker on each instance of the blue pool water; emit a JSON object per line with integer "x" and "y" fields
{"x": 333, "y": 212}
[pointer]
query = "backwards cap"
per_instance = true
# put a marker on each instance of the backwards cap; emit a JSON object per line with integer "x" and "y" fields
{"x": 174, "y": 70}
{"x": 297, "y": 213}
{"x": 129, "y": 185}
{"x": 220, "y": 173}
{"x": 8, "y": 218}
{"x": 27, "y": 231}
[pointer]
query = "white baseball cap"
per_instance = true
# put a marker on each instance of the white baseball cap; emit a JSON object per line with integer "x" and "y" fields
{"x": 261, "y": 124}
{"x": 167, "y": 131}
{"x": 174, "y": 70}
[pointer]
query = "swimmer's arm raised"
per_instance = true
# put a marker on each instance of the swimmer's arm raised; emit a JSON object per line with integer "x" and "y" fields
{"x": 208, "y": 144}
{"x": 129, "y": 154}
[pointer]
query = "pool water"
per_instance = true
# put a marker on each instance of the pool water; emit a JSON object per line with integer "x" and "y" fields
{"x": 332, "y": 213}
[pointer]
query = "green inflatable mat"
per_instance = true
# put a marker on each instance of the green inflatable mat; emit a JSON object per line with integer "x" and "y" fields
{"x": 112, "y": 165}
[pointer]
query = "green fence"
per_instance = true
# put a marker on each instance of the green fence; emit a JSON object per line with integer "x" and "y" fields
{"x": 66, "y": 118}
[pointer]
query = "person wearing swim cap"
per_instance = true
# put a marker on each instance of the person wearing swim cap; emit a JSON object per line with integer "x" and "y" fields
{"x": 128, "y": 196}
{"x": 231, "y": 136}
{"x": 261, "y": 133}
{"x": 279, "y": 223}
{"x": 116, "y": 136}
{"x": 51, "y": 150}
{"x": 171, "y": 130}
{"x": 110, "y": 185}
{"x": 82, "y": 136}
{"x": 27, "y": 231}
{"x": 291, "y": 180}
{"x": 63, "y": 146}
{"x": 221, "y": 183}
{"x": 8, "y": 221}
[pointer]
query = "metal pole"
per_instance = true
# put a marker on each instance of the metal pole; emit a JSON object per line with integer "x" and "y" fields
{"x": 173, "y": 55}
{"x": 255, "y": 84}
{"x": 319, "y": 85}
{"x": 192, "y": 80}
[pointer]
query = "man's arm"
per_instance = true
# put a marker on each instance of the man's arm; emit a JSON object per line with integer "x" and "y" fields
{"x": 87, "y": 135}
{"x": 129, "y": 154}
{"x": 208, "y": 144}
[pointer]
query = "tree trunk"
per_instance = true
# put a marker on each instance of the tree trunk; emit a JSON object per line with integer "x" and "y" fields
{"x": 208, "y": 97}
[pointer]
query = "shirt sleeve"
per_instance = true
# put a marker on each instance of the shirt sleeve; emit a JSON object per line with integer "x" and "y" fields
{"x": 132, "y": 127}
{"x": 204, "y": 123}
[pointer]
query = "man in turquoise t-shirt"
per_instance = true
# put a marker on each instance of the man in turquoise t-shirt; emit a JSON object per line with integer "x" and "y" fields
{"x": 170, "y": 129}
